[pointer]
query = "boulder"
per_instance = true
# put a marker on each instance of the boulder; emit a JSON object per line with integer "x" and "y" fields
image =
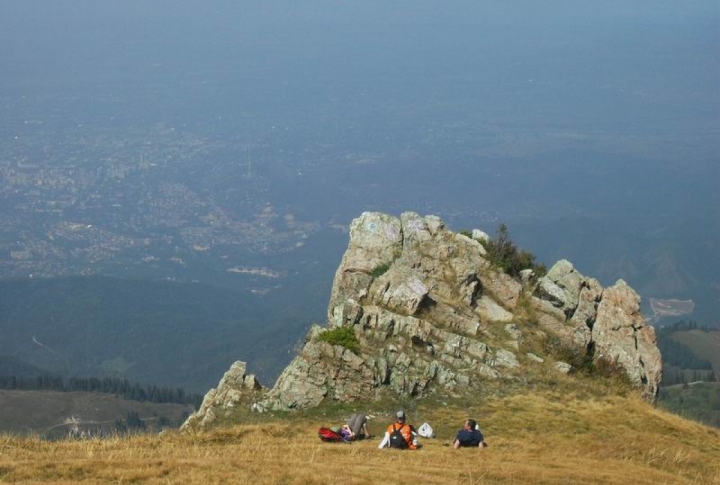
{"x": 621, "y": 336}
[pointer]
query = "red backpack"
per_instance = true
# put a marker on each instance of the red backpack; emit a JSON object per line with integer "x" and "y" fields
{"x": 329, "y": 436}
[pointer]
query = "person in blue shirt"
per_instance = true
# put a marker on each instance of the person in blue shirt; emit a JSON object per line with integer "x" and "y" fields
{"x": 469, "y": 436}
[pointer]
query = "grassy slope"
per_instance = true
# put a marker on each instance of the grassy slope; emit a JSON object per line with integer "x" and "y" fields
{"x": 541, "y": 437}
{"x": 704, "y": 344}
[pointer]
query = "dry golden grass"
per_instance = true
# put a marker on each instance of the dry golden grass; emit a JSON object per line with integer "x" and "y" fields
{"x": 538, "y": 438}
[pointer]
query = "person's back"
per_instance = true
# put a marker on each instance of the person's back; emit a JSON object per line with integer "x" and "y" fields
{"x": 469, "y": 436}
{"x": 399, "y": 435}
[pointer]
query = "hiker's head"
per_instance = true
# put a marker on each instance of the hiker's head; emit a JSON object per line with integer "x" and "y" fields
{"x": 470, "y": 424}
{"x": 400, "y": 416}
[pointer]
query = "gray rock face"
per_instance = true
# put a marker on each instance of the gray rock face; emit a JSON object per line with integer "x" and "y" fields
{"x": 235, "y": 387}
{"x": 606, "y": 321}
{"x": 431, "y": 316}
{"x": 621, "y": 336}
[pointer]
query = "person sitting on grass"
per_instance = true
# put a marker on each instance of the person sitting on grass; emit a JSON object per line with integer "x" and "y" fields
{"x": 358, "y": 424}
{"x": 469, "y": 436}
{"x": 400, "y": 435}
{"x": 346, "y": 433}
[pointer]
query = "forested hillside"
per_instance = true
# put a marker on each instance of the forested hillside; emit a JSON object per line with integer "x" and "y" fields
{"x": 691, "y": 364}
{"x": 121, "y": 388}
{"x": 170, "y": 334}
{"x": 690, "y": 353}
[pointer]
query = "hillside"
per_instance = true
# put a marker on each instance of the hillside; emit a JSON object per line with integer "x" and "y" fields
{"x": 699, "y": 401}
{"x": 704, "y": 343}
{"x": 691, "y": 365}
{"x": 12, "y": 366}
{"x": 52, "y": 414}
{"x": 552, "y": 437}
{"x": 133, "y": 329}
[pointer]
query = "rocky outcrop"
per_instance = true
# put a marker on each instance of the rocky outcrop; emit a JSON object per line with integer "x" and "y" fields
{"x": 621, "y": 335}
{"x": 606, "y": 322}
{"x": 430, "y": 315}
{"x": 235, "y": 388}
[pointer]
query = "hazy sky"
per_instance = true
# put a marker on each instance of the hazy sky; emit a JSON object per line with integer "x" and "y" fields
{"x": 576, "y": 90}
{"x": 534, "y": 112}
{"x": 642, "y": 66}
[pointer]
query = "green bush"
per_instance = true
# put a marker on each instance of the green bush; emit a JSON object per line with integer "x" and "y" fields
{"x": 343, "y": 336}
{"x": 504, "y": 254}
{"x": 585, "y": 362}
{"x": 380, "y": 270}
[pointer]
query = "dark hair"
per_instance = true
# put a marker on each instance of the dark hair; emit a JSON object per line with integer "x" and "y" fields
{"x": 472, "y": 423}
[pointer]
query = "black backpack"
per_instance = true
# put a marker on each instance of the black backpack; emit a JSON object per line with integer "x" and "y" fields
{"x": 397, "y": 440}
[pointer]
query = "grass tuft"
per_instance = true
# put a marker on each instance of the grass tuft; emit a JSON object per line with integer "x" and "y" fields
{"x": 343, "y": 336}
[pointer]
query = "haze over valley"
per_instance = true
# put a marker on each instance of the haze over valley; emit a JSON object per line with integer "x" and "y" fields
{"x": 225, "y": 146}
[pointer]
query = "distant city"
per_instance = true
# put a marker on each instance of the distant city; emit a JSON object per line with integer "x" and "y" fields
{"x": 102, "y": 205}
{"x": 238, "y": 153}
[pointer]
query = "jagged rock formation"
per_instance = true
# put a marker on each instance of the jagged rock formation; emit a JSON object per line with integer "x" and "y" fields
{"x": 432, "y": 315}
{"x": 235, "y": 388}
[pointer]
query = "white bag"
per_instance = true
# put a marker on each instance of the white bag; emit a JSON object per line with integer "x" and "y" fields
{"x": 426, "y": 431}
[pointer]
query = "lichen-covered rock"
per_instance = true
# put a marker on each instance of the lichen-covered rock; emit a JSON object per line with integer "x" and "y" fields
{"x": 490, "y": 311}
{"x": 584, "y": 315}
{"x": 235, "y": 386}
{"x": 400, "y": 291}
{"x": 321, "y": 371}
{"x": 503, "y": 288}
{"x": 621, "y": 336}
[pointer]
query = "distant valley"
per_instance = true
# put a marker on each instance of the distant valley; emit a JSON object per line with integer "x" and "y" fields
{"x": 691, "y": 366}
{"x": 164, "y": 203}
{"x": 58, "y": 415}
{"x": 164, "y": 333}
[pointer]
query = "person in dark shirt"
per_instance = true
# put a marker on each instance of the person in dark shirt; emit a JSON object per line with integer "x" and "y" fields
{"x": 469, "y": 436}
